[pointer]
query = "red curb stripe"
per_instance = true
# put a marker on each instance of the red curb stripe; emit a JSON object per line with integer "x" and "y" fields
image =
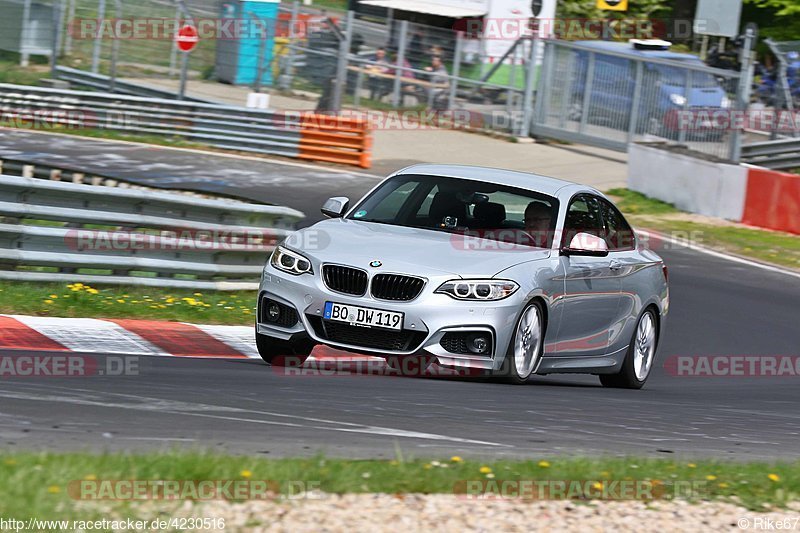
{"x": 179, "y": 339}
{"x": 14, "y": 335}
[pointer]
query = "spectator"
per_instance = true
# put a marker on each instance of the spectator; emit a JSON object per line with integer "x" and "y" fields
{"x": 379, "y": 85}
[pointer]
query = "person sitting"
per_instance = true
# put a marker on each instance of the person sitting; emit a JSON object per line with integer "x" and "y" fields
{"x": 538, "y": 217}
{"x": 379, "y": 86}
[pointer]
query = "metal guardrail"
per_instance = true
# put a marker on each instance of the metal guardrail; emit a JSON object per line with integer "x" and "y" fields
{"x": 59, "y": 231}
{"x": 317, "y": 138}
{"x": 780, "y": 154}
{"x": 101, "y": 82}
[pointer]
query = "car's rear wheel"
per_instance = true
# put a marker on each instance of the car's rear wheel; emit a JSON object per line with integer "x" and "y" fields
{"x": 639, "y": 359}
{"x": 279, "y": 352}
{"x": 526, "y": 347}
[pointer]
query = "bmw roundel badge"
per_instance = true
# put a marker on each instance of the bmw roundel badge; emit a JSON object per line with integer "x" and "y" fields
{"x": 375, "y": 264}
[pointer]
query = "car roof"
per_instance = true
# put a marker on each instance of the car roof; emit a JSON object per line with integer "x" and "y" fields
{"x": 499, "y": 176}
{"x": 628, "y": 49}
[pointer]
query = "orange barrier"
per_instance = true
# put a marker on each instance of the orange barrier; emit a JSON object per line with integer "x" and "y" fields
{"x": 772, "y": 200}
{"x": 336, "y": 139}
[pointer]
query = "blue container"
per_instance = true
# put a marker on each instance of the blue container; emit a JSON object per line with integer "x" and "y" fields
{"x": 237, "y": 57}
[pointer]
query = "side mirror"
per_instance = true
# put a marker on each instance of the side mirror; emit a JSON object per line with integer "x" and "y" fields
{"x": 586, "y": 244}
{"x": 336, "y": 207}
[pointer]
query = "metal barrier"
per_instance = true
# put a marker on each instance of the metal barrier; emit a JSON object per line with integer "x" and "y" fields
{"x": 609, "y": 97}
{"x": 101, "y": 82}
{"x": 311, "y": 137}
{"x": 58, "y": 231}
{"x": 777, "y": 155}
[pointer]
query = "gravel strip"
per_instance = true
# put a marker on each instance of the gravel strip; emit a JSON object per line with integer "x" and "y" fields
{"x": 448, "y": 513}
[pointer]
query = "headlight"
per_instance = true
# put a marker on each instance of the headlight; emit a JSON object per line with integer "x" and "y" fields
{"x": 677, "y": 99}
{"x": 478, "y": 289}
{"x": 290, "y": 262}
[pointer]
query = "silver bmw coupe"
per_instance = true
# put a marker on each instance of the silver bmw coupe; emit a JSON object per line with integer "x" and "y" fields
{"x": 506, "y": 273}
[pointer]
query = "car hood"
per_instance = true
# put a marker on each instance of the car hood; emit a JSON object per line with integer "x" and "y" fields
{"x": 408, "y": 250}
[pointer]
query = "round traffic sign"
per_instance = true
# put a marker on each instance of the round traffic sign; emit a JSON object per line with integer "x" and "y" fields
{"x": 187, "y": 38}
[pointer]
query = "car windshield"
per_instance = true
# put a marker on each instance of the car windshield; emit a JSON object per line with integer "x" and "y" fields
{"x": 486, "y": 210}
{"x": 677, "y": 76}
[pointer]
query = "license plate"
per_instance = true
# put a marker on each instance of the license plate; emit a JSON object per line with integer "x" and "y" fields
{"x": 363, "y": 316}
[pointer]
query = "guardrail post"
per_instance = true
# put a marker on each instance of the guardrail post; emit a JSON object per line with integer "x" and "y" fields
{"x": 401, "y": 56}
{"x": 70, "y": 19}
{"x": 24, "y": 34}
{"x": 112, "y": 85}
{"x": 58, "y": 11}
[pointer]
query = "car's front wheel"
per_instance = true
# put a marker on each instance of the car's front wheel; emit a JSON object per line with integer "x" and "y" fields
{"x": 526, "y": 347}
{"x": 639, "y": 358}
{"x": 278, "y": 352}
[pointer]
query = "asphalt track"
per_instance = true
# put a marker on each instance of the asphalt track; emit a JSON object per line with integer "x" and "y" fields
{"x": 718, "y": 307}
{"x": 265, "y": 180}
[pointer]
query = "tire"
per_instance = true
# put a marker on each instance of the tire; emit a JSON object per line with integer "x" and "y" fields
{"x": 525, "y": 350}
{"x": 640, "y": 356}
{"x": 278, "y": 352}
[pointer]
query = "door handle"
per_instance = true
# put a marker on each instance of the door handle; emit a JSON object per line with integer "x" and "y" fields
{"x": 615, "y": 265}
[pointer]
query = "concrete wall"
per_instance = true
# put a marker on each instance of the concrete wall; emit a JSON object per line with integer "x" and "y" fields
{"x": 692, "y": 184}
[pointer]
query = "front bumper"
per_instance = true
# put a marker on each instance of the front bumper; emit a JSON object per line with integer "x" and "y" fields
{"x": 427, "y": 319}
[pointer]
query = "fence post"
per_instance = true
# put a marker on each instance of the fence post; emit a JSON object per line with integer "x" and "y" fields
{"x": 262, "y": 42}
{"x": 341, "y": 66}
{"x": 687, "y": 91}
{"x": 173, "y": 52}
{"x": 286, "y": 78}
{"x": 527, "y": 98}
{"x": 401, "y": 56}
{"x": 587, "y": 93}
{"x": 542, "y": 87}
{"x": 98, "y": 40}
{"x": 70, "y": 21}
{"x": 24, "y": 34}
{"x": 115, "y": 51}
{"x": 57, "y": 16}
{"x": 637, "y": 97}
{"x": 456, "y": 70}
{"x": 743, "y": 91}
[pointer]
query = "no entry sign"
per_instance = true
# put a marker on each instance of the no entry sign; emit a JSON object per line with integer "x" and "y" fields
{"x": 187, "y": 38}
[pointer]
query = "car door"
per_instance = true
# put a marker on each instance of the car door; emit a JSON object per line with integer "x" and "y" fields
{"x": 591, "y": 288}
{"x": 624, "y": 265}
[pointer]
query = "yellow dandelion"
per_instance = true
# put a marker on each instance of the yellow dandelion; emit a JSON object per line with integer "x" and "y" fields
{"x": 711, "y": 477}
{"x": 774, "y": 477}
{"x": 597, "y": 485}
{"x": 246, "y": 474}
{"x": 48, "y": 302}
{"x": 544, "y": 464}
{"x": 53, "y": 489}
{"x": 92, "y": 291}
{"x": 54, "y": 296}
{"x": 90, "y": 477}
{"x": 692, "y": 465}
{"x": 120, "y": 301}
{"x": 456, "y": 459}
{"x": 485, "y": 470}
{"x": 723, "y": 485}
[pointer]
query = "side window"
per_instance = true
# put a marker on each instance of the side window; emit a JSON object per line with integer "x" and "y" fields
{"x": 582, "y": 217}
{"x": 616, "y": 231}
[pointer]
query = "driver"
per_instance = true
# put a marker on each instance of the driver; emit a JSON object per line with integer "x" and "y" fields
{"x": 538, "y": 216}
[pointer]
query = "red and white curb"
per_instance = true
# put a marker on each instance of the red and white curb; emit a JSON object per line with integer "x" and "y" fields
{"x": 139, "y": 337}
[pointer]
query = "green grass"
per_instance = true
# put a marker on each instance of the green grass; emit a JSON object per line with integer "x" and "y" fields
{"x": 113, "y": 135}
{"x": 36, "y": 484}
{"x": 11, "y": 72}
{"x": 79, "y": 300}
{"x": 763, "y": 245}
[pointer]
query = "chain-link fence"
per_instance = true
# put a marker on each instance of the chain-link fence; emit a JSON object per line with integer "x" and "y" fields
{"x": 611, "y": 94}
